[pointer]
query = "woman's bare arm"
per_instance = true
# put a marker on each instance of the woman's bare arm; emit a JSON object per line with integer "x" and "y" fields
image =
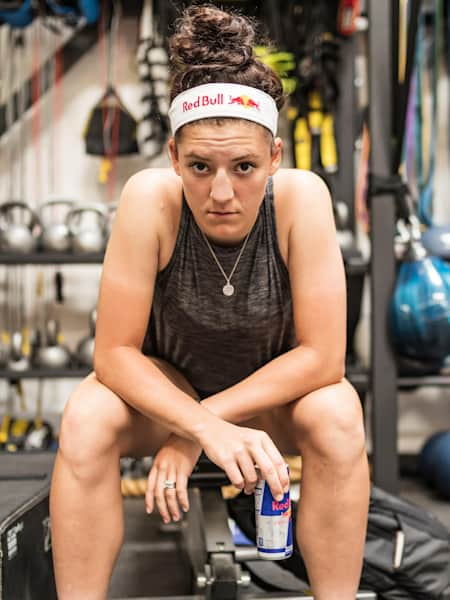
{"x": 125, "y": 299}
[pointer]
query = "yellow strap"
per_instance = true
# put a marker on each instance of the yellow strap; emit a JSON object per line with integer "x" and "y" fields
{"x": 4, "y": 429}
{"x": 315, "y": 115}
{"x": 26, "y": 346}
{"x": 291, "y": 113}
{"x": 19, "y": 388}
{"x": 302, "y": 141}
{"x": 104, "y": 170}
{"x": 328, "y": 152}
{"x": 19, "y": 427}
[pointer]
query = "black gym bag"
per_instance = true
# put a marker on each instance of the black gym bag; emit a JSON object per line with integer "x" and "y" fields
{"x": 407, "y": 552}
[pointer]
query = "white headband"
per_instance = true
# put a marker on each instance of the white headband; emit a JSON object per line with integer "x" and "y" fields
{"x": 223, "y": 100}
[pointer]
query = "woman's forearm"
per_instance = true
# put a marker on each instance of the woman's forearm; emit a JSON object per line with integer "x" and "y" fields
{"x": 139, "y": 382}
{"x": 282, "y": 380}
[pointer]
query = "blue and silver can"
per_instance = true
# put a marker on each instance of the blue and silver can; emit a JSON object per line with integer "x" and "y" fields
{"x": 273, "y": 523}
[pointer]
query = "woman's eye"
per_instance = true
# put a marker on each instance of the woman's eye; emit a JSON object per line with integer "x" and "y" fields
{"x": 199, "y": 167}
{"x": 245, "y": 167}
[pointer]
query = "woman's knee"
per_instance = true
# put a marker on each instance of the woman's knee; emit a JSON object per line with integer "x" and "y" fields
{"x": 93, "y": 421}
{"x": 330, "y": 422}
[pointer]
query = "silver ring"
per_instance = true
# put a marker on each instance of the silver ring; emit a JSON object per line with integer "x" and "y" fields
{"x": 169, "y": 485}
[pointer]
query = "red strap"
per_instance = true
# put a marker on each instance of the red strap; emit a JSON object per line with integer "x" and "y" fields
{"x": 348, "y": 11}
{"x": 36, "y": 119}
{"x": 58, "y": 100}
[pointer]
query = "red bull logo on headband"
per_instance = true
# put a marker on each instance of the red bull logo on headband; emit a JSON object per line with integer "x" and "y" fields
{"x": 218, "y": 99}
{"x": 244, "y": 101}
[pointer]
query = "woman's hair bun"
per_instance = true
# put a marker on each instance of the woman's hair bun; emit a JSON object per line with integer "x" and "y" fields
{"x": 211, "y": 45}
{"x": 209, "y": 37}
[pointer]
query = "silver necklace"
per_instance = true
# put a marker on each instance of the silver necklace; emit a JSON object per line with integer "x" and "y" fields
{"x": 228, "y": 288}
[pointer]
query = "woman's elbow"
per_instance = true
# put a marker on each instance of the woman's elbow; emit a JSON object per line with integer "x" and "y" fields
{"x": 333, "y": 368}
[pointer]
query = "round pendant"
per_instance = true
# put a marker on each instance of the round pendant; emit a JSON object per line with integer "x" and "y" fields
{"x": 228, "y": 289}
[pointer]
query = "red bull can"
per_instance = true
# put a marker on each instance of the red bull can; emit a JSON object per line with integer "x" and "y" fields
{"x": 273, "y": 523}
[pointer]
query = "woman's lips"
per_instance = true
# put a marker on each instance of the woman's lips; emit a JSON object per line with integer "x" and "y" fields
{"x": 216, "y": 213}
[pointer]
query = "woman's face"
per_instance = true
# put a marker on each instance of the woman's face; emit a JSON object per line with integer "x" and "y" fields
{"x": 224, "y": 170}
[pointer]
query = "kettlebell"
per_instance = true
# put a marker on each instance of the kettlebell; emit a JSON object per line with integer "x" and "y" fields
{"x": 55, "y": 234}
{"x": 53, "y": 355}
{"x": 87, "y": 224}
{"x": 85, "y": 349}
{"x": 17, "y": 360}
{"x": 17, "y": 234}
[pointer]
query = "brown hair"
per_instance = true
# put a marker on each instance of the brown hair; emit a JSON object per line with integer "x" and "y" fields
{"x": 211, "y": 46}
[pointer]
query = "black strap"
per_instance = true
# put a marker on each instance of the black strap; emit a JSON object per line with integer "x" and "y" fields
{"x": 395, "y": 186}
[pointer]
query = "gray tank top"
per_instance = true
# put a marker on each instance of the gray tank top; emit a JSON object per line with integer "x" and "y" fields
{"x": 212, "y": 339}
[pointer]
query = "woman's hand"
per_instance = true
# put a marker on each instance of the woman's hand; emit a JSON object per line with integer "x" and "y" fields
{"x": 237, "y": 450}
{"x": 174, "y": 462}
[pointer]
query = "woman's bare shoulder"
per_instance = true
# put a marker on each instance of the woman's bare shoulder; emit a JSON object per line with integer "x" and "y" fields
{"x": 152, "y": 187}
{"x": 299, "y": 186}
{"x": 151, "y": 196}
{"x": 301, "y": 200}
{"x": 144, "y": 219}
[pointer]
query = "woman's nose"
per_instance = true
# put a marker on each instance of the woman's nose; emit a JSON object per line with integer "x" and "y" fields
{"x": 221, "y": 188}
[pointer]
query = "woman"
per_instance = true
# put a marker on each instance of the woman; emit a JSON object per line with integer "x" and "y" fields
{"x": 221, "y": 327}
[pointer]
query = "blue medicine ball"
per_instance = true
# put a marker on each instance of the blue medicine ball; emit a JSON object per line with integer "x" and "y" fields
{"x": 441, "y": 466}
{"x": 420, "y": 309}
{"x": 20, "y": 17}
{"x": 427, "y": 457}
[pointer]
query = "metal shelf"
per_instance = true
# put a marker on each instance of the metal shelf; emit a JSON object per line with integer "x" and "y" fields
{"x": 45, "y": 373}
{"x": 426, "y": 380}
{"x": 361, "y": 377}
{"x": 50, "y": 258}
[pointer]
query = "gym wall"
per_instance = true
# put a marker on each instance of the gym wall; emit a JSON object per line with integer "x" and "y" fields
{"x": 76, "y": 176}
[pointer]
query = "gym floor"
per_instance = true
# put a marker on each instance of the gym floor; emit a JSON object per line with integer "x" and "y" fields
{"x": 151, "y": 562}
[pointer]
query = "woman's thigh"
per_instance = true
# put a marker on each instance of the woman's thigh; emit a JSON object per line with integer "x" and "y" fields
{"x": 290, "y": 426}
{"x": 276, "y": 423}
{"x": 96, "y": 418}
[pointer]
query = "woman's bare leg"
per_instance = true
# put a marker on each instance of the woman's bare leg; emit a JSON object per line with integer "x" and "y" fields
{"x": 326, "y": 428}
{"x": 85, "y": 501}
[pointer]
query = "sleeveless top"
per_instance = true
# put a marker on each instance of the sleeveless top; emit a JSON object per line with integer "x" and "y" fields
{"x": 212, "y": 339}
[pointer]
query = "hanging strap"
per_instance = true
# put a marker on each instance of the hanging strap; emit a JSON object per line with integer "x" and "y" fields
{"x": 403, "y": 70}
{"x": 426, "y": 182}
{"x": 36, "y": 119}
